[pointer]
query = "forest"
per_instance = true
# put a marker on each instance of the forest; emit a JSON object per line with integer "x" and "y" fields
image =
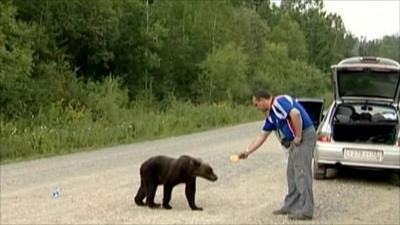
{"x": 82, "y": 74}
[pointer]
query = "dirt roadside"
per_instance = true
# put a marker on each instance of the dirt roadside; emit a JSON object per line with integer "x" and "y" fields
{"x": 97, "y": 187}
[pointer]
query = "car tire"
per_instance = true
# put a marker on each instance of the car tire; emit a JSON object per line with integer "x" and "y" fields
{"x": 397, "y": 182}
{"x": 319, "y": 171}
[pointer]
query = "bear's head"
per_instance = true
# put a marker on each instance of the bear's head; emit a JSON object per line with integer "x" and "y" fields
{"x": 198, "y": 168}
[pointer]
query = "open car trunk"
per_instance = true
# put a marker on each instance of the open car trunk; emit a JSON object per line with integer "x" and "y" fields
{"x": 375, "y": 133}
{"x": 364, "y": 127}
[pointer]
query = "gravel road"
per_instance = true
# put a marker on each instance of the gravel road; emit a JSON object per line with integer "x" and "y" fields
{"x": 97, "y": 187}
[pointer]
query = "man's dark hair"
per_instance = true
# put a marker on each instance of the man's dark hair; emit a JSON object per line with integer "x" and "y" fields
{"x": 262, "y": 93}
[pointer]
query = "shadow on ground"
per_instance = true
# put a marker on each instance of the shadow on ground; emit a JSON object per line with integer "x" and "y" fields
{"x": 373, "y": 176}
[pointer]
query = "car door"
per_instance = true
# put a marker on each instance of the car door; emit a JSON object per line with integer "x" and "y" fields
{"x": 314, "y": 107}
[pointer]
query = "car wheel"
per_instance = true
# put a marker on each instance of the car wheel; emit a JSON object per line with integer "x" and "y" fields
{"x": 319, "y": 171}
{"x": 397, "y": 181}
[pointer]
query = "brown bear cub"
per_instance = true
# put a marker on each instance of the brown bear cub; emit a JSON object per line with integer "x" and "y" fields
{"x": 163, "y": 170}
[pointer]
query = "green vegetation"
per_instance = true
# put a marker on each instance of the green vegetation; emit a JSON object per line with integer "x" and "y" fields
{"x": 81, "y": 74}
{"x": 64, "y": 130}
{"x": 388, "y": 46}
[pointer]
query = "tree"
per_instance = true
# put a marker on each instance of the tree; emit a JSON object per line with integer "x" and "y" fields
{"x": 135, "y": 46}
{"x": 326, "y": 37}
{"x": 15, "y": 62}
{"x": 194, "y": 28}
{"x": 85, "y": 29}
{"x": 224, "y": 75}
{"x": 280, "y": 74}
{"x": 301, "y": 5}
{"x": 290, "y": 33}
{"x": 388, "y": 46}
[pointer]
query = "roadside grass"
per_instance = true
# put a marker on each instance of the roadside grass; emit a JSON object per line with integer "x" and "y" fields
{"x": 58, "y": 130}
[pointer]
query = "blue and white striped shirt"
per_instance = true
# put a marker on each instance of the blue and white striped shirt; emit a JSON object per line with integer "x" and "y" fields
{"x": 278, "y": 118}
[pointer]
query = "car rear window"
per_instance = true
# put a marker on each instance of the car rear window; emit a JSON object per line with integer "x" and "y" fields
{"x": 368, "y": 84}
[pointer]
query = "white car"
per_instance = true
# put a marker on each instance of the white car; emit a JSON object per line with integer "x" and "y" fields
{"x": 361, "y": 126}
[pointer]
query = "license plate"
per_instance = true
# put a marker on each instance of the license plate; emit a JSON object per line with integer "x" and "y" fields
{"x": 363, "y": 155}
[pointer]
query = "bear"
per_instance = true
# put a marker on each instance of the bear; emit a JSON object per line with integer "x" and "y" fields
{"x": 169, "y": 172}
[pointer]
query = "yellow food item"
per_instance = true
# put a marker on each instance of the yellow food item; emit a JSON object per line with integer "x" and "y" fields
{"x": 234, "y": 158}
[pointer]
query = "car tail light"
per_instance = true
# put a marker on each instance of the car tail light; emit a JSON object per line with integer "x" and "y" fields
{"x": 324, "y": 137}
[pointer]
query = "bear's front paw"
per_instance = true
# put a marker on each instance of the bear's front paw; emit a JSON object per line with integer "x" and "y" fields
{"x": 167, "y": 206}
{"x": 197, "y": 208}
{"x": 139, "y": 203}
{"x": 154, "y": 205}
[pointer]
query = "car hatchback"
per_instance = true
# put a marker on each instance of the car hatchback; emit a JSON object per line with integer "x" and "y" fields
{"x": 361, "y": 126}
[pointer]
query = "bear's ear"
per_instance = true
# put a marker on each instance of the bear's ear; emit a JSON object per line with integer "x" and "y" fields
{"x": 196, "y": 162}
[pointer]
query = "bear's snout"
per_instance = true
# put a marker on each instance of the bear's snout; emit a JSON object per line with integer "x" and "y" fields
{"x": 207, "y": 174}
{"x": 214, "y": 177}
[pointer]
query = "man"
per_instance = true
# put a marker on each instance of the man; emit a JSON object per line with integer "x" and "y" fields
{"x": 293, "y": 122}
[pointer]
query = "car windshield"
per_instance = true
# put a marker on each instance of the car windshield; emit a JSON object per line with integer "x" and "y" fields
{"x": 368, "y": 84}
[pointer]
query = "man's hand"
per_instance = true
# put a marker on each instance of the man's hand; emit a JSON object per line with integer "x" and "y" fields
{"x": 243, "y": 155}
{"x": 297, "y": 121}
{"x": 297, "y": 140}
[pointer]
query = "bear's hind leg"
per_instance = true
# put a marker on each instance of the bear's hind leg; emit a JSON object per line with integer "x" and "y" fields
{"x": 151, "y": 189}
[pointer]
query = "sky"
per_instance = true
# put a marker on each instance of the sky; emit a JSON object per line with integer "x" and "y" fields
{"x": 372, "y": 19}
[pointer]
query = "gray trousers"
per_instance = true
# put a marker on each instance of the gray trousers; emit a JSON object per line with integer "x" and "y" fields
{"x": 300, "y": 198}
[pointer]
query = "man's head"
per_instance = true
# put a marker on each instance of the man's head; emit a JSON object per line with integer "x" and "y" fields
{"x": 262, "y": 100}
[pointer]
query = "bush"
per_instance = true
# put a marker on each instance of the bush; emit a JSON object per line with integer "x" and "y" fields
{"x": 59, "y": 130}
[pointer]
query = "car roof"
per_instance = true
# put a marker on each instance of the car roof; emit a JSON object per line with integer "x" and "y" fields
{"x": 368, "y": 61}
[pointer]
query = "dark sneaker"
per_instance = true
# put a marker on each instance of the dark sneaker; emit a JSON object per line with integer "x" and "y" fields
{"x": 296, "y": 216}
{"x": 280, "y": 211}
